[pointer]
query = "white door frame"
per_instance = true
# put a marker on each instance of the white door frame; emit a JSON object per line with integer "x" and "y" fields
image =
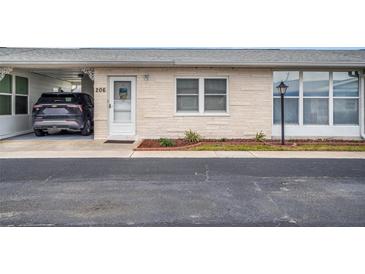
{"x": 127, "y": 130}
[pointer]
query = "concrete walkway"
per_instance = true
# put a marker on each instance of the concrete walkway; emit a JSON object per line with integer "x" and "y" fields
{"x": 98, "y": 149}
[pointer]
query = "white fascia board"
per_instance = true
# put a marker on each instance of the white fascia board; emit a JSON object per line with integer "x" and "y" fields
{"x": 179, "y": 64}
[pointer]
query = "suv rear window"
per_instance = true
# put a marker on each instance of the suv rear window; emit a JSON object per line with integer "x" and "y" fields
{"x": 58, "y": 98}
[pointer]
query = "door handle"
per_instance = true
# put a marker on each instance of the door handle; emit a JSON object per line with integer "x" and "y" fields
{"x": 110, "y": 105}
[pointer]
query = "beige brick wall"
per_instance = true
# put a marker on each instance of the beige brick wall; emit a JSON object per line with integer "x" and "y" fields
{"x": 250, "y": 103}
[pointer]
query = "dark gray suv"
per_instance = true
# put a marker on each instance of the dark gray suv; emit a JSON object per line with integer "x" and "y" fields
{"x": 65, "y": 111}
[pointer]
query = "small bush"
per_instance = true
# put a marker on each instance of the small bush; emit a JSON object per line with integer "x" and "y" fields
{"x": 164, "y": 142}
{"x": 192, "y": 136}
{"x": 223, "y": 139}
{"x": 260, "y": 136}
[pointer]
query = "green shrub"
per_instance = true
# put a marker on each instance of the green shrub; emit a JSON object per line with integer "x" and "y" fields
{"x": 260, "y": 136}
{"x": 164, "y": 142}
{"x": 192, "y": 136}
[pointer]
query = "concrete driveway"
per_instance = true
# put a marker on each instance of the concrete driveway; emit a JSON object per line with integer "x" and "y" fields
{"x": 52, "y": 136}
{"x": 77, "y": 146}
{"x": 62, "y": 146}
{"x": 182, "y": 192}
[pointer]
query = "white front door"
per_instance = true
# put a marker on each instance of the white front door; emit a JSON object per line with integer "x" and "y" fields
{"x": 122, "y": 107}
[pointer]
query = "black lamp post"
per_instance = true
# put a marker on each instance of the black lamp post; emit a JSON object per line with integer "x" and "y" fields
{"x": 282, "y": 89}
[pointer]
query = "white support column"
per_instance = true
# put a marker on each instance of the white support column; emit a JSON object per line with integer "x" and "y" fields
{"x": 330, "y": 103}
{"x": 301, "y": 98}
{"x": 201, "y": 95}
{"x": 4, "y": 71}
{"x": 362, "y": 105}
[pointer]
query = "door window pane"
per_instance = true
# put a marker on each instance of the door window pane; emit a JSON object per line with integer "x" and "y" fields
{"x": 346, "y": 111}
{"x": 344, "y": 85}
{"x": 315, "y": 84}
{"x": 21, "y": 104}
{"x": 21, "y": 85}
{"x": 6, "y": 84}
{"x": 291, "y": 115}
{"x": 122, "y": 90}
{"x": 290, "y": 78}
{"x": 315, "y": 111}
{"x": 5, "y": 105}
{"x": 122, "y": 101}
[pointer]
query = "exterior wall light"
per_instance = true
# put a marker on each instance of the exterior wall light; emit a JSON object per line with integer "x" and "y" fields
{"x": 282, "y": 90}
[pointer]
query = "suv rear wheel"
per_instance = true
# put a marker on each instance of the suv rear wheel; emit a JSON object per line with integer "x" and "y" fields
{"x": 39, "y": 132}
{"x": 86, "y": 131}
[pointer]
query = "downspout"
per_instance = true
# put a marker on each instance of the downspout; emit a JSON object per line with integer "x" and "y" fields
{"x": 362, "y": 104}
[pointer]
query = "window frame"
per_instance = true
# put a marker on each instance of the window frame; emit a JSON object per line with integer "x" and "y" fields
{"x": 214, "y": 95}
{"x": 287, "y": 123}
{"x": 21, "y": 95}
{"x": 346, "y": 97}
{"x": 330, "y": 98}
{"x": 201, "y": 97}
{"x": 11, "y": 97}
{"x": 290, "y": 97}
{"x": 197, "y": 95}
{"x": 11, "y": 105}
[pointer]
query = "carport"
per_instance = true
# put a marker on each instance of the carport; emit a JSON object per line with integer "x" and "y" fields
{"x": 21, "y": 87}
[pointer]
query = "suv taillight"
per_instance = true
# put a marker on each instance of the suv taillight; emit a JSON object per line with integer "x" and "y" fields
{"x": 36, "y": 107}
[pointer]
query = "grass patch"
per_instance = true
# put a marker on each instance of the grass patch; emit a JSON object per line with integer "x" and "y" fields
{"x": 265, "y": 147}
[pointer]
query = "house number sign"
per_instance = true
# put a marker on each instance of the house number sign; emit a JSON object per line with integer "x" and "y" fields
{"x": 98, "y": 90}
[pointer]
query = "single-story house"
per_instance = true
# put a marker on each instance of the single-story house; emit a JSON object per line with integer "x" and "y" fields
{"x": 220, "y": 93}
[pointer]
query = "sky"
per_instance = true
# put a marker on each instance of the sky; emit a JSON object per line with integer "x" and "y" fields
{"x": 187, "y": 23}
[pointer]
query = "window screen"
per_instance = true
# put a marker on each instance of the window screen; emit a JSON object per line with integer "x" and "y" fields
{"x": 187, "y": 92}
{"x": 21, "y": 85}
{"x": 215, "y": 95}
{"x": 5, "y": 105}
{"x": 21, "y": 104}
{"x": 6, "y": 84}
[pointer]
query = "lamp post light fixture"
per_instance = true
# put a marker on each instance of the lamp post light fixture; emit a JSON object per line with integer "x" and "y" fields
{"x": 282, "y": 89}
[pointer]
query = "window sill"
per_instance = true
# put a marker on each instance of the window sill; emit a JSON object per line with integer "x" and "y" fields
{"x": 213, "y": 114}
{"x": 316, "y": 125}
{"x": 13, "y": 115}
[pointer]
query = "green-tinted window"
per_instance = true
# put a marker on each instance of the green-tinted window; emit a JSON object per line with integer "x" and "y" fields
{"x": 5, "y": 104}
{"x": 21, "y": 85}
{"x": 5, "y": 84}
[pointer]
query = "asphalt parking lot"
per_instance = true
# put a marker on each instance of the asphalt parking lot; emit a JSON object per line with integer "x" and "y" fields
{"x": 182, "y": 192}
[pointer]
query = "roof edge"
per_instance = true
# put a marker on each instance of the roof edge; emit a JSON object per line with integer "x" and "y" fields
{"x": 183, "y": 64}
{"x": 193, "y": 48}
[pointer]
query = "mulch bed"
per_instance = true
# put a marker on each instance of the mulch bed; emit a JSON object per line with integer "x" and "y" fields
{"x": 152, "y": 144}
{"x": 181, "y": 144}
